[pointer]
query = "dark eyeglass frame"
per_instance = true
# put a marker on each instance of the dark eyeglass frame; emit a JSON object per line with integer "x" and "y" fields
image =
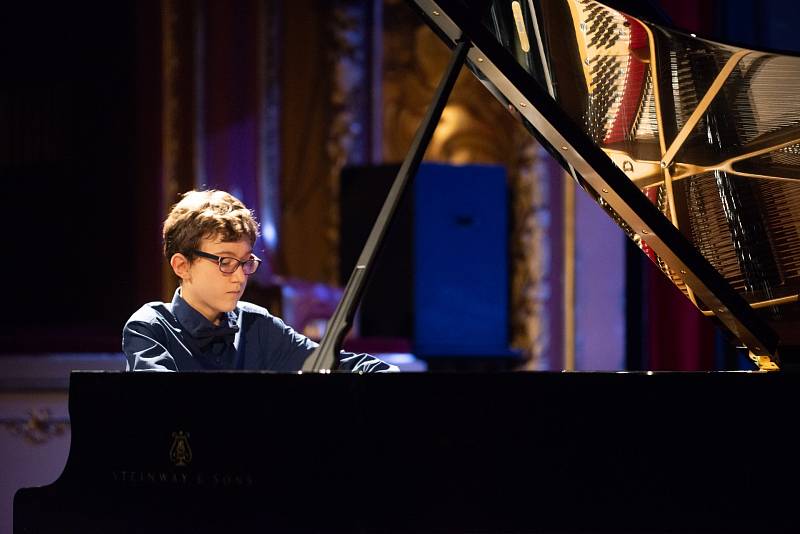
{"x": 255, "y": 260}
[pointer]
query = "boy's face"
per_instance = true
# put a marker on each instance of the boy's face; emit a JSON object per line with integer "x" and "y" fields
{"x": 206, "y": 288}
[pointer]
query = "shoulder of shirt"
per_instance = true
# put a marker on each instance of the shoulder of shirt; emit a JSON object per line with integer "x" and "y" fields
{"x": 152, "y": 312}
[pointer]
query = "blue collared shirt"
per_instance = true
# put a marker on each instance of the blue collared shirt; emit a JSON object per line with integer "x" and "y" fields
{"x": 175, "y": 337}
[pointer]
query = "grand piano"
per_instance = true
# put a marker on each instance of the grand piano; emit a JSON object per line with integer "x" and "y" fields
{"x": 691, "y": 146}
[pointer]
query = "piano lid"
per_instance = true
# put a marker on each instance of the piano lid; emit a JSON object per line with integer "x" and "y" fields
{"x": 691, "y": 146}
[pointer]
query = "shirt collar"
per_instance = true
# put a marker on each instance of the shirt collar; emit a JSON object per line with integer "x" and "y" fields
{"x": 192, "y": 320}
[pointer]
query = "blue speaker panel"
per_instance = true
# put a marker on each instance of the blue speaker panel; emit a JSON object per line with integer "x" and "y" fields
{"x": 460, "y": 261}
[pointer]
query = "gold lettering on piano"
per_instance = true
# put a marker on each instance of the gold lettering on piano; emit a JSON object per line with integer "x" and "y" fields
{"x": 183, "y": 479}
{"x": 180, "y": 452}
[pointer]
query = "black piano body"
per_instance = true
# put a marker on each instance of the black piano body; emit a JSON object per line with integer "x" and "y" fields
{"x": 506, "y": 452}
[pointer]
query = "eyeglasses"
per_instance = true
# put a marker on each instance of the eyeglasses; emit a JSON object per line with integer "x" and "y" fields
{"x": 229, "y": 265}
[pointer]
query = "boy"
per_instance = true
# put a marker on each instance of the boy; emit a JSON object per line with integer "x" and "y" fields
{"x": 208, "y": 241}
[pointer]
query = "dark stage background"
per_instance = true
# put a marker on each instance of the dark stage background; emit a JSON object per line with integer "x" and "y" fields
{"x": 68, "y": 163}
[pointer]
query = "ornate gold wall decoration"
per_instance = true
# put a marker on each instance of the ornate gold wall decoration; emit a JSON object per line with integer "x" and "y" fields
{"x": 531, "y": 273}
{"x": 349, "y": 100}
{"x": 474, "y": 129}
{"x": 269, "y": 115}
{"x": 40, "y": 426}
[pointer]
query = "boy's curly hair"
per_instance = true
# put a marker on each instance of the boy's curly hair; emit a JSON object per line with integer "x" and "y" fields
{"x": 206, "y": 214}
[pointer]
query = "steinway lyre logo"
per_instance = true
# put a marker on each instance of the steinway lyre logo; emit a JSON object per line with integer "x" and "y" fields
{"x": 180, "y": 453}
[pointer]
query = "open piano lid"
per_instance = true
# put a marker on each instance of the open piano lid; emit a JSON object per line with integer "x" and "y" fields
{"x": 691, "y": 146}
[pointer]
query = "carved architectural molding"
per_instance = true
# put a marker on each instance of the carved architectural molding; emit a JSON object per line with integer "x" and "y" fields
{"x": 349, "y": 130}
{"x": 269, "y": 117}
{"x": 531, "y": 269}
{"x": 38, "y": 428}
{"x": 34, "y": 391}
